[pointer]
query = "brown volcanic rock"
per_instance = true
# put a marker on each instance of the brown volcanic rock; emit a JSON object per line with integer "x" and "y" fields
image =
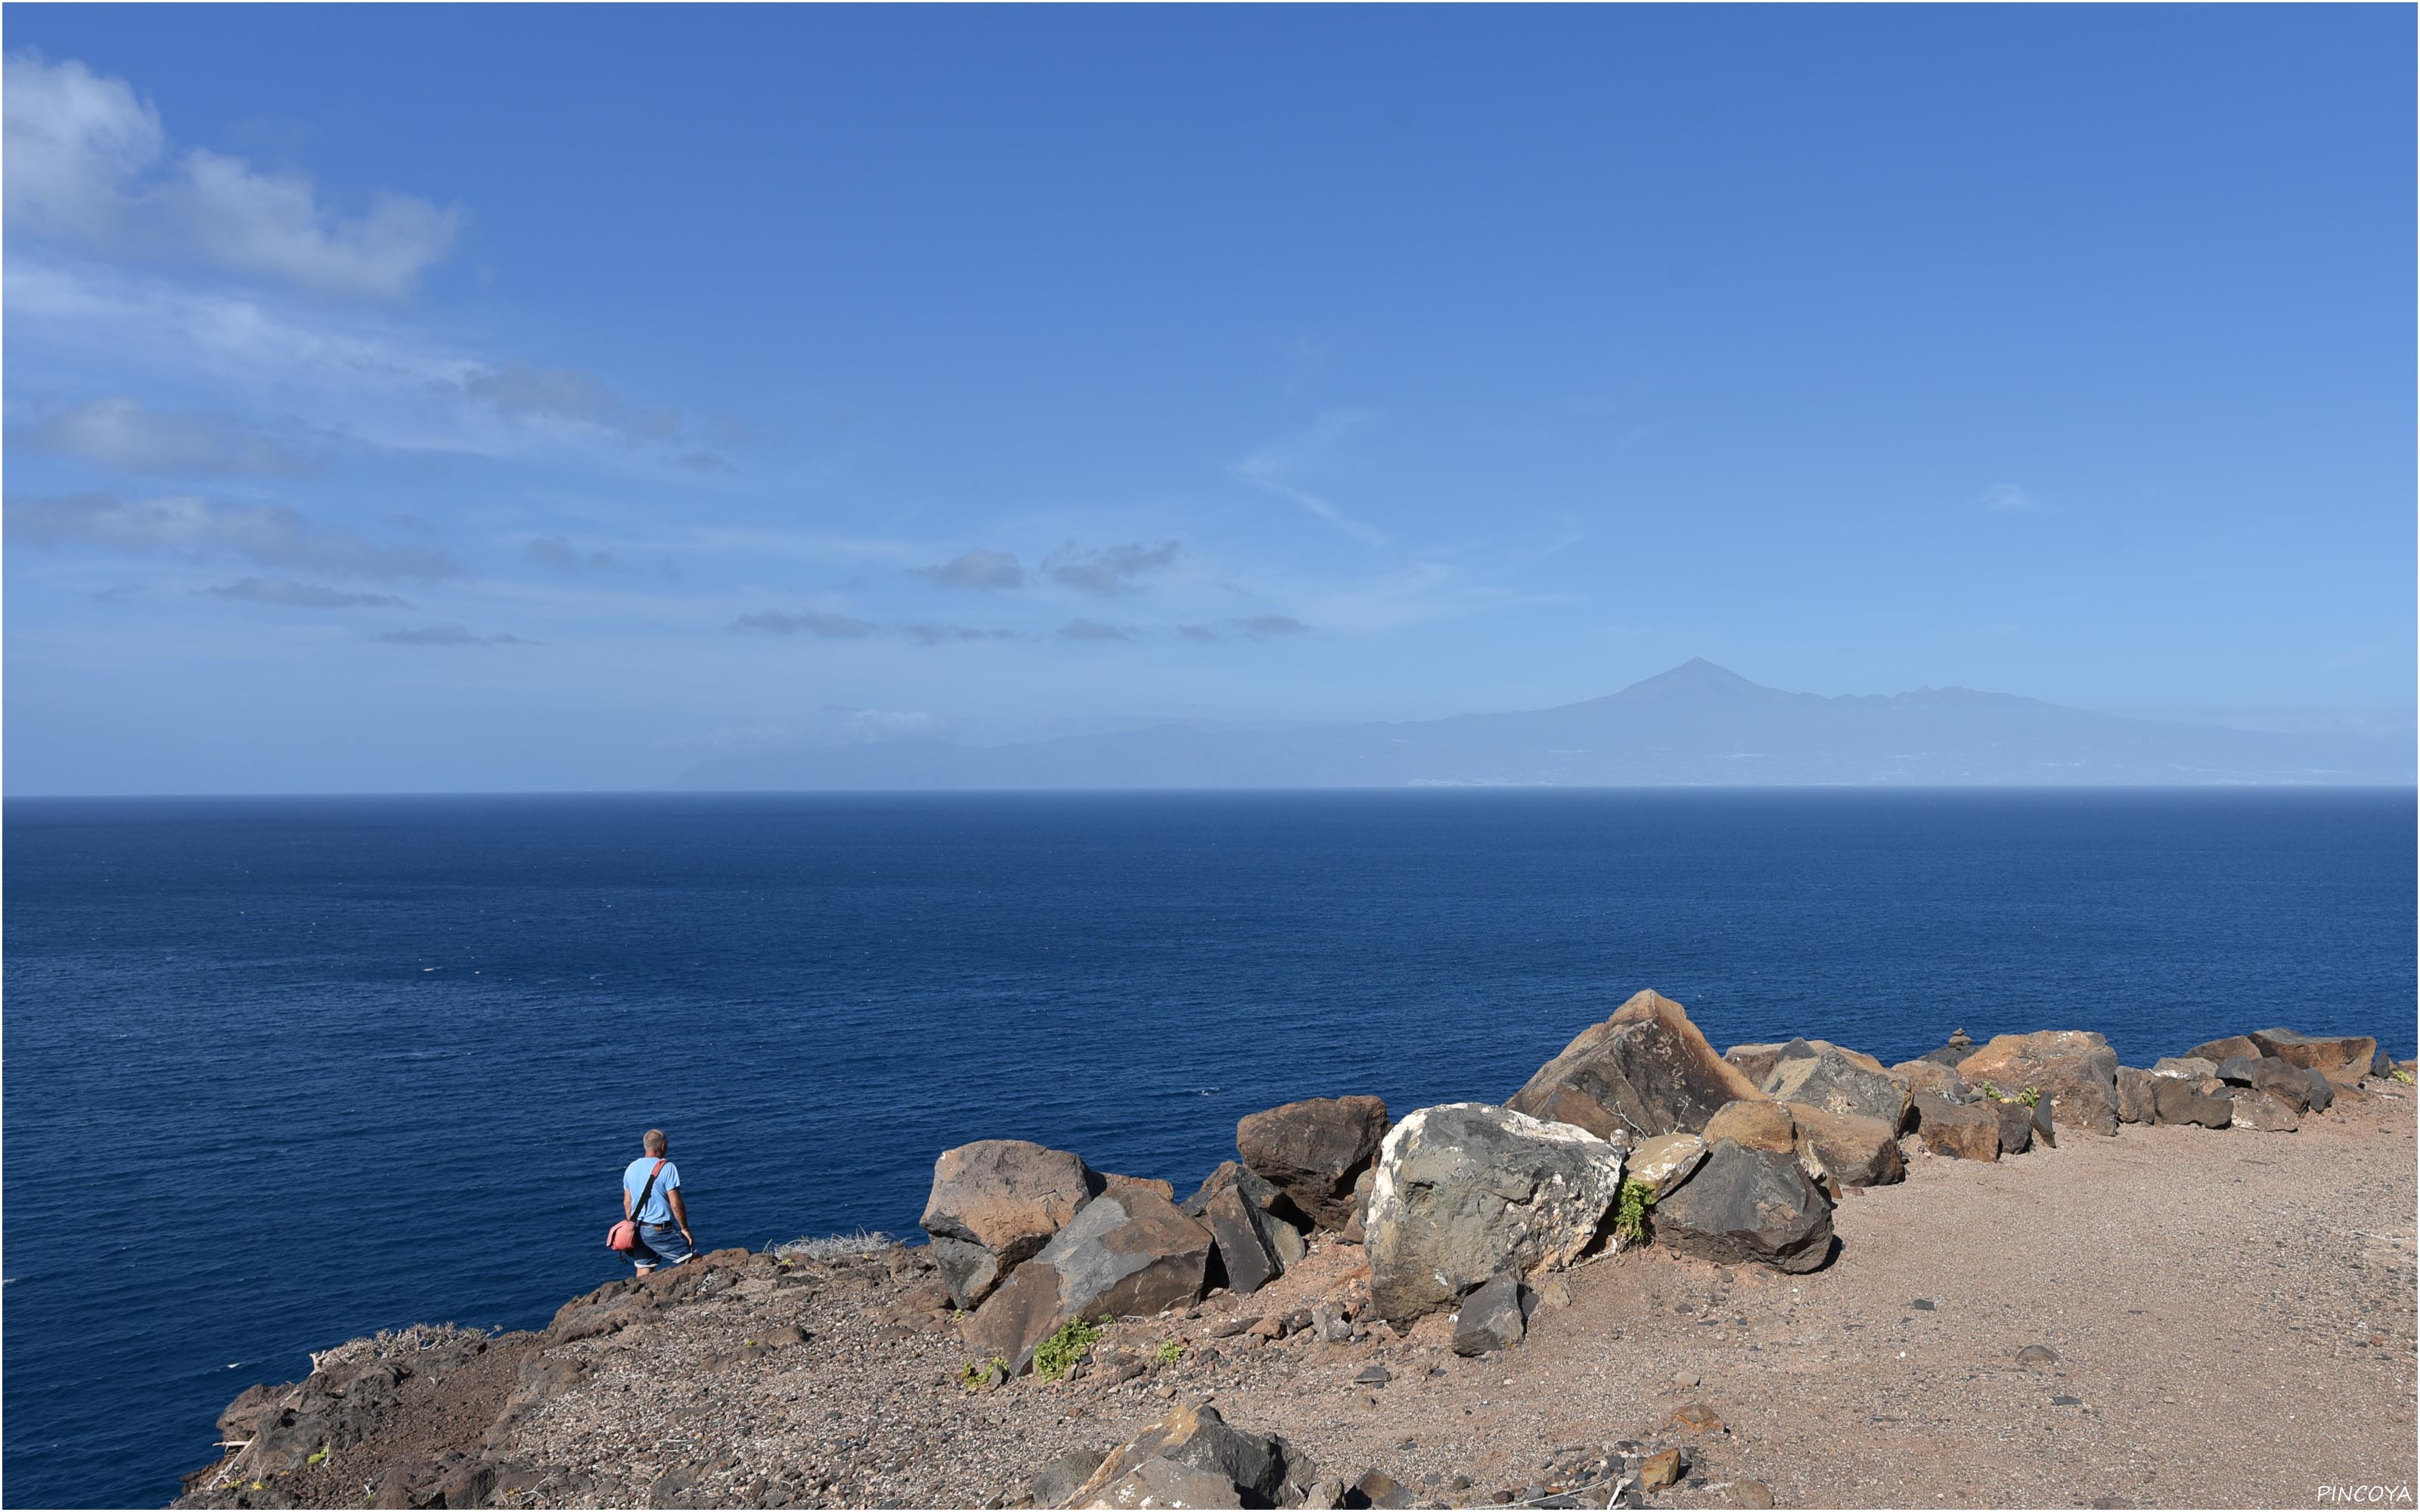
{"x": 1646, "y": 1071}
{"x": 2138, "y": 1101}
{"x": 994, "y": 1203}
{"x": 2227, "y": 1049}
{"x": 2265, "y": 1111}
{"x": 1127, "y": 1253}
{"x": 1858, "y": 1152}
{"x": 1964, "y": 1131}
{"x": 2200, "y": 1099}
{"x": 2076, "y": 1071}
{"x": 2344, "y": 1059}
{"x": 1757, "y": 1124}
{"x": 1315, "y": 1151}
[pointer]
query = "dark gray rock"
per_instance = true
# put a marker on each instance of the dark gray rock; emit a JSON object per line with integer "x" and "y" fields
{"x": 1313, "y": 1150}
{"x": 1195, "y": 1440}
{"x": 1745, "y": 1204}
{"x": 1492, "y": 1318}
{"x": 1248, "y": 1248}
{"x": 1466, "y": 1190}
{"x": 2016, "y": 1126}
{"x": 1832, "y": 1080}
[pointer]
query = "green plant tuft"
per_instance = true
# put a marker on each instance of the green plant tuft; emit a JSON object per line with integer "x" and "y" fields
{"x": 1630, "y": 1209}
{"x": 318, "y": 1455}
{"x": 981, "y": 1373}
{"x": 1169, "y": 1353}
{"x": 1056, "y": 1355}
{"x": 2400, "y": 1074}
{"x": 2030, "y": 1096}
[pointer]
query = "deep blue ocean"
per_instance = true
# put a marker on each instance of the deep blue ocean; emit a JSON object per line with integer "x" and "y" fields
{"x": 282, "y": 1072}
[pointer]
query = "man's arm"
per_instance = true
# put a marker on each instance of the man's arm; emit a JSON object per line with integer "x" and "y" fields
{"x": 625, "y": 1199}
{"x": 681, "y": 1215}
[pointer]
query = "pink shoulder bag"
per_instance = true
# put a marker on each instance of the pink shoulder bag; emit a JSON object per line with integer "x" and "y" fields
{"x": 624, "y": 1237}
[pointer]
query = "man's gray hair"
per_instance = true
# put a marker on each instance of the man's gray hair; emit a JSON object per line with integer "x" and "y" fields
{"x": 654, "y": 1142}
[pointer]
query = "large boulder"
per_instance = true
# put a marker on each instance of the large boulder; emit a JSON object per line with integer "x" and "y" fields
{"x": 1756, "y": 1061}
{"x": 2343, "y": 1059}
{"x": 1464, "y": 1191}
{"x": 2191, "y": 1067}
{"x": 1261, "y": 1192}
{"x": 2218, "y": 1050}
{"x": 1201, "y": 1461}
{"x": 2200, "y": 1099}
{"x": 1250, "y": 1252}
{"x": 1858, "y": 1152}
{"x": 2075, "y": 1070}
{"x": 1962, "y": 1131}
{"x": 2290, "y": 1085}
{"x": 2266, "y": 1111}
{"x": 1125, "y": 1254}
{"x": 1836, "y": 1083}
{"x": 994, "y": 1204}
{"x": 2135, "y": 1096}
{"x": 1745, "y": 1204}
{"x": 1646, "y": 1071}
{"x": 1313, "y": 1150}
{"x": 1932, "y": 1077}
{"x": 1757, "y": 1123}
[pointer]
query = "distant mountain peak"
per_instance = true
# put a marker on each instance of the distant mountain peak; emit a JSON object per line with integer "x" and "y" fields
{"x": 1696, "y": 678}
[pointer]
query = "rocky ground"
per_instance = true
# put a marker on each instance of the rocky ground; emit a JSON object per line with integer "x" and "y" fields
{"x": 2173, "y": 1317}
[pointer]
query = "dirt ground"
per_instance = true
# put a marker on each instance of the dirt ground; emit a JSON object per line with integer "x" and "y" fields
{"x": 2228, "y": 1315}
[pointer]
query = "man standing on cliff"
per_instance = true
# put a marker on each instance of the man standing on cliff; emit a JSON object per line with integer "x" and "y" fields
{"x": 662, "y": 1216}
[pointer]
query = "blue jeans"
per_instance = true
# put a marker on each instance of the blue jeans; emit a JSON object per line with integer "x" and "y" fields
{"x": 660, "y": 1244}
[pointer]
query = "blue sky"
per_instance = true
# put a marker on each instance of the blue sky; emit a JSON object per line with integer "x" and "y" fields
{"x": 437, "y": 398}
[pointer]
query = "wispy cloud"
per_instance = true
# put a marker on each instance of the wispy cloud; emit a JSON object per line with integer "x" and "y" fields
{"x": 926, "y": 633}
{"x": 186, "y": 525}
{"x": 979, "y": 568}
{"x": 1109, "y": 570}
{"x": 1091, "y": 630}
{"x": 285, "y": 593}
{"x": 2008, "y": 498}
{"x": 557, "y": 551}
{"x": 1250, "y": 627}
{"x": 122, "y": 435}
{"x": 815, "y": 623}
{"x": 89, "y": 165}
{"x": 449, "y": 635}
{"x": 519, "y": 391}
{"x": 1276, "y": 470}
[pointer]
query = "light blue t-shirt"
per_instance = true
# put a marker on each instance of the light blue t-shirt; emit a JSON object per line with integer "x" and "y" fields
{"x": 658, "y": 1209}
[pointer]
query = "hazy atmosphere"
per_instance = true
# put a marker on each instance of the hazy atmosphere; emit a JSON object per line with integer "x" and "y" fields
{"x": 394, "y": 406}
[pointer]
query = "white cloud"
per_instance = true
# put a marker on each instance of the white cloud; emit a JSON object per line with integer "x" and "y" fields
{"x": 88, "y": 163}
{"x": 285, "y": 593}
{"x": 2010, "y": 498}
{"x": 978, "y": 568}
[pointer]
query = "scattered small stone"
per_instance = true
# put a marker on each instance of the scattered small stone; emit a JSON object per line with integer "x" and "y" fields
{"x": 2037, "y": 1357}
{"x": 1660, "y": 1470}
{"x": 1750, "y": 1493}
{"x": 1924, "y": 1305}
{"x": 2067, "y": 1401}
{"x": 1375, "y": 1374}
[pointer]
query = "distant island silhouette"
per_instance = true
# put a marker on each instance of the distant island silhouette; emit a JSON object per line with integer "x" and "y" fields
{"x": 1698, "y": 725}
